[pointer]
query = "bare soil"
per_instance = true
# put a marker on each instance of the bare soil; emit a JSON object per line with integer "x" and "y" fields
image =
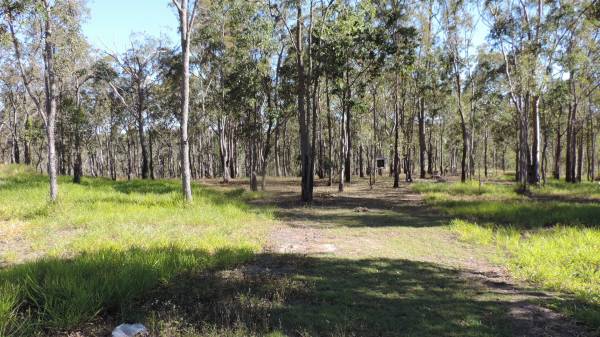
{"x": 364, "y": 222}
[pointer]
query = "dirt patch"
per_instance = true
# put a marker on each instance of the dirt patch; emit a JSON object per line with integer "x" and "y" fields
{"x": 299, "y": 240}
{"x": 314, "y": 230}
{"x": 14, "y": 247}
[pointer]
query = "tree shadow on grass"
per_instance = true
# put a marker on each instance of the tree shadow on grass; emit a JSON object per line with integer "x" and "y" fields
{"x": 523, "y": 214}
{"x": 299, "y": 295}
{"x": 173, "y": 186}
{"x": 146, "y": 186}
{"x": 319, "y": 296}
{"x": 332, "y": 217}
{"x": 54, "y": 294}
{"x": 394, "y": 208}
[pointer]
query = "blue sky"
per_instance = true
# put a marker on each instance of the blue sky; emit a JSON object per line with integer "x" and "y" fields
{"x": 112, "y": 22}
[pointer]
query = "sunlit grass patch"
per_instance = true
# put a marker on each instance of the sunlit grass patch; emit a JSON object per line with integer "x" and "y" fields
{"x": 560, "y": 188}
{"x": 472, "y": 233}
{"x": 542, "y": 238}
{"x": 561, "y": 258}
{"x": 101, "y": 213}
{"x": 55, "y": 294}
{"x": 469, "y": 188}
{"x": 105, "y": 244}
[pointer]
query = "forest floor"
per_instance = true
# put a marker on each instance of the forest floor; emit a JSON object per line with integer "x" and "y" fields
{"x": 387, "y": 264}
{"x": 365, "y": 262}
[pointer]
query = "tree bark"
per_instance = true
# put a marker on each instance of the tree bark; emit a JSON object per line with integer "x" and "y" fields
{"x": 396, "y": 136}
{"x": 329, "y": 135}
{"x": 557, "y": 150}
{"x": 48, "y": 114}
{"x": 185, "y": 26}
{"x": 421, "y": 120}
{"x": 305, "y": 147}
{"x": 348, "y": 165}
{"x": 50, "y": 89}
{"x": 535, "y": 149}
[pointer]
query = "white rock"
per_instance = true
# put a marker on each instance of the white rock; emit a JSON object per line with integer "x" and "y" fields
{"x": 130, "y": 330}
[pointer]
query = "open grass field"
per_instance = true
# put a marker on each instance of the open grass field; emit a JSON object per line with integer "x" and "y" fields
{"x": 427, "y": 259}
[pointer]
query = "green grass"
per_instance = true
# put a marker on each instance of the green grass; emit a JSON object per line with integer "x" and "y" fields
{"x": 562, "y": 259}
{"x": 469, "y": 188}
{"x": 501, "y": 204}
{"x": 324, "y": 296}
{"x": 541, "y": 237}
{"x": 112, "y": 252}
{"x": 560, "y": 188}
{"x": 105, "y": 244}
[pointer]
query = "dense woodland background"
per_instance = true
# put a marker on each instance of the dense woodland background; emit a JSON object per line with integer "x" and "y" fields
{"x": 500, "y": 98}
{"x": 315, "y": 88}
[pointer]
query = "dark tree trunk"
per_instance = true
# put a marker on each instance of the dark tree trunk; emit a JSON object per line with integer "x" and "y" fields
{"x": 348, "y": 166}
{"x": 151, "y": 154}
{"x": 422, "y": 145}
{"x": 329, "y": 135}
{"x": 430, "y": 149}
{"x": 396, "y": 136}
{"x": 129, "y": 159}
{"x": 579, "y": 157}
{"x": 557, "y": 152}
{"x": 361, "y": 168}
{"x": 534, "y": 177}
{"x": 142, "y": 138}
{"x": 305, "y": 146}
{"x": 485, "y": 153}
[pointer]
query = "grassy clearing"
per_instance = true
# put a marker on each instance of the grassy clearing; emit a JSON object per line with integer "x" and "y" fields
{"x": 544, "y": 239}
{"x": 105, "y": 244}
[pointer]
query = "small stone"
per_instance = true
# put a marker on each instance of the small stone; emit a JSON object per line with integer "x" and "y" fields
{"x": 130, "y": 330}
{"x": 327, "y": 248}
